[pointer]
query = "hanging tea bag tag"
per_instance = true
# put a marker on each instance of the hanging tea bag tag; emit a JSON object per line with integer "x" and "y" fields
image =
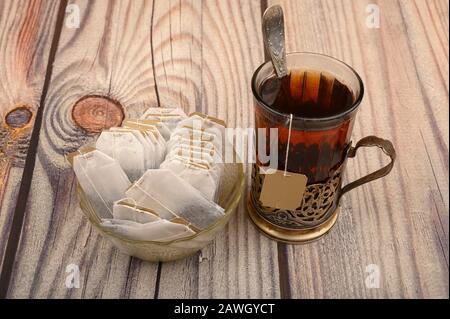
{"x": 283, "y": 189}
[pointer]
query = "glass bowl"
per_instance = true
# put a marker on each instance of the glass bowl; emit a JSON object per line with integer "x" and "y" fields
{"x": 230, "y": 191}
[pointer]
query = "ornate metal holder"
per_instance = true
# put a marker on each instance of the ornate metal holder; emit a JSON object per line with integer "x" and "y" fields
{"x": 319, "y": 209}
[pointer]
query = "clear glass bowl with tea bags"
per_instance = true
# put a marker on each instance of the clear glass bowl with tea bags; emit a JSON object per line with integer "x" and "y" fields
{"x": 229, "y": 193}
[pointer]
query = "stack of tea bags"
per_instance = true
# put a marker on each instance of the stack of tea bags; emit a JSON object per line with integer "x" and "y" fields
{"x": 161, "y": 206}
{"x": 194, "y": 153}
{"x": 136, "y": 146}
{"x": 175, "y": 163}
{"x": 121, "y": 156}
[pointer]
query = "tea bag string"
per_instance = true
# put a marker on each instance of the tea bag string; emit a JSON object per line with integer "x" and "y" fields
{"x": 160, "y": 203}
{"x": 135, "y": 206}
{"x": 288, "y": 143}
{"x": 189, "y": 224}
{"x": 139, "y": 123}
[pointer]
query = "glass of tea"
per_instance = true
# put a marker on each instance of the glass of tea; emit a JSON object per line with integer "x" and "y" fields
{"x": 313, "y": 109}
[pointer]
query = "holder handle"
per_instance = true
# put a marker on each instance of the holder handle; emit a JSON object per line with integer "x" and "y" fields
{"x": 369, "y": 141}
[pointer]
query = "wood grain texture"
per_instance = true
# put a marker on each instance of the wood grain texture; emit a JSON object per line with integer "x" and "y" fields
{"x": 200, "y": 55}
{"x": 204, "y": 56}
{"x": 187, "y": 70}
{"x": 25, "y": 38}
{"x": 109, "y": 55}
{"x": 399, "y": 223}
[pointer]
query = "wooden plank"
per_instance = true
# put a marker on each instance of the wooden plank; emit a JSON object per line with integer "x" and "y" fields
{"x": 56, "y": 234}
{"x": 109, "y": 55}
{"x": 205, "y": 53}
{"x": 26, "y": 32}
{"x": 401, "y": 222}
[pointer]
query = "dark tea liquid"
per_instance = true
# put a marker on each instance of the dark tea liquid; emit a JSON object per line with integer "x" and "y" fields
{"x": 307, "y": 94}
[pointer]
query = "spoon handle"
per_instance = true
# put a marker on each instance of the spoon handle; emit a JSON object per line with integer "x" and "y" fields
{"x": 274, "y": 38}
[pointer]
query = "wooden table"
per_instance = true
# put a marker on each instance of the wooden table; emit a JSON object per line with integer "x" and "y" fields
{"x": 200, "y": 55}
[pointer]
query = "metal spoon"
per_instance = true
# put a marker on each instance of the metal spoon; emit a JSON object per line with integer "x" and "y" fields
{"x": 274, "y": 39}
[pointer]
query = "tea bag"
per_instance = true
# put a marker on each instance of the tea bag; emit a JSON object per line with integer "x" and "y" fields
{"x": 165, "y": 191}
{"x": 152, "y": 133}
{"x": 199, "y": 175}
{"x": 102, "y": 179}
{"x": 194, "y": 154}
{"x": 142, "y": 199}
{"x": 159, "y": 230}
{"x": 156, "y": 142}
{"x": 197, "y": 127}
{"x": 126, "y": 148}
{"x": 191, "y": 149}
{"x": 203, "y": 180}
{"x": 156, "y": 138}
{"x": 198, "y": 121}
{"x": 152, "y": 154}
{"x": 123, "y": 210}
{"x": 167, "y": 115}
{"x": 188, "y": 141}
{"x": 147, "y": 124}
{"x": 178, "y": 163}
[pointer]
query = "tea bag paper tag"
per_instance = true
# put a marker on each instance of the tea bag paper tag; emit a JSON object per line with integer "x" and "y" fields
{"x": 283, "y": 190}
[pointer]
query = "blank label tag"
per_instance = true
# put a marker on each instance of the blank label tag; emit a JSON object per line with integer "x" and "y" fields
{"x": 283, "y": 191}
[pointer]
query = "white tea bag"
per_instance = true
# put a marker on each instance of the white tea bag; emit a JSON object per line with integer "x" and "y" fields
{"x": 185, "y": 155}
{"x": 190, "y": 154}
{"x": 156, "y": 138}
{"x": 153, "y": 136}
{"x": 185, "y": 138}
{"x": 167, "y": 115}
{"x": 205, "y": 179}
{"x": 197, "y": 122}
{"x": 200, "y": 127}
{"x": 201, "y": 122}
{"x": 177, "y": 164}
{"x": 146, "y": 124}
{"x": 196, "y": 149}
{"x": 194, "y": 134}
{"x": 102, "y": 179}
{"x": 123, "y": 210}
{"x": 160, "y": 230}
{"x": 152, "y": 153}
{"x": 126, "y": 148}
{"x": 179, "y": 197}
{"x": 142, "y": 199}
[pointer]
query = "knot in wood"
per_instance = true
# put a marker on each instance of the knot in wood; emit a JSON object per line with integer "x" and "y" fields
{"x": 96, "y": 113}
{"x": 18, "y": 117}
